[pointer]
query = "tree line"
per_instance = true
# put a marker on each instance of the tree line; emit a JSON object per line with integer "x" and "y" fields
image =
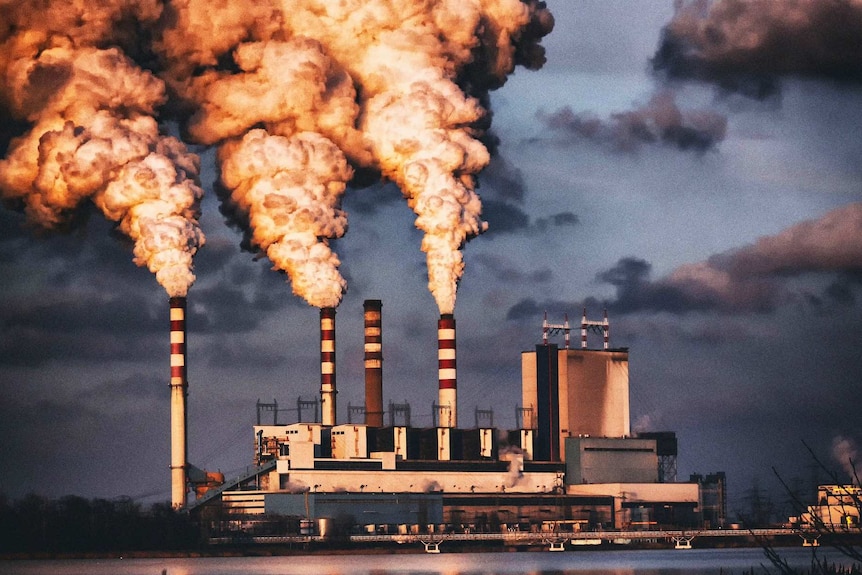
{"x": 72, "y": 524}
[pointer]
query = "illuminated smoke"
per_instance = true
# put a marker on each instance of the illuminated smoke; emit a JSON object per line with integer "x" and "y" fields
{"x": 297, "y": 94}
{"x": 844, "y": 451}
{"x": 395, "y": 86}
{"x": 94, "y": 138}
{"x": 290, "y": 189}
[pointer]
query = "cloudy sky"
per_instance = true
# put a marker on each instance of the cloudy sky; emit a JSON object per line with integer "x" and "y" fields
{"x": 696, "y": 174}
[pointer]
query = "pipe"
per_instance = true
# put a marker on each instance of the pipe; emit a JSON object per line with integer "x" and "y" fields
{"x": 373, "y": 363}
{"x": 327, "y": 365}
{"x": 179, "y": 393}
{"x": 584, "y": 330}
{"x": 606, "y": 328}
{"x": 447, "y": 372}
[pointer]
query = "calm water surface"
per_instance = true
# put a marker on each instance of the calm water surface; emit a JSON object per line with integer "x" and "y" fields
{"x": 652, "y": 562}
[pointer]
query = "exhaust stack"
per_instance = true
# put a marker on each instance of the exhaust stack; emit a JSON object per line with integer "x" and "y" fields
{"x": 447, "y": 373}
{"x": 327, "y": 365}
{"x": 179, "y": 392}
{"x": 373, "y": 363}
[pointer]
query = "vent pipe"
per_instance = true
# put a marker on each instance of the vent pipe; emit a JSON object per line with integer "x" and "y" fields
{"x": 595, "y": 326}
{"x": 373, "y": 363}
{"x": 448, "y": 383}
{"x": 179, "y": 392}
{"x": 327, "y": 365}
{"x": 584, "y": 330}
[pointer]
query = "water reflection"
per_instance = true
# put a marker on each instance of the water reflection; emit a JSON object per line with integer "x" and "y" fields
{"x": 653, "y": 562}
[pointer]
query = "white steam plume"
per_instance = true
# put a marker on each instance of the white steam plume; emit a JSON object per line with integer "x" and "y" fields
{"x": 290, "y": 190}
{"x": 844, "y": 451}
{"x": 94, "y": 138}
{"x": 394, "y": 87}
{"x": 385, "y": 81}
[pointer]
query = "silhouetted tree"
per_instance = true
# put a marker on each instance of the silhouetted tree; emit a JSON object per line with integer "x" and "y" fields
{"x": 74, "y": 524}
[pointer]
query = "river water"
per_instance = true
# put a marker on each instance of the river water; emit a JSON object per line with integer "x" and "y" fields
{"x": 630, "y": 562}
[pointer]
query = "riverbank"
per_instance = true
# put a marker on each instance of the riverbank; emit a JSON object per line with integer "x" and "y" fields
{"x": 275, "y": 547}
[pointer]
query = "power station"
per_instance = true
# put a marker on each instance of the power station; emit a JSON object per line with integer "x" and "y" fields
{"x": 571, "y": 460}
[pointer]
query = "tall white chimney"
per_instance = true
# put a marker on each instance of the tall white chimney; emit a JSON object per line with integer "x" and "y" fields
{"x": 179, "y": 392}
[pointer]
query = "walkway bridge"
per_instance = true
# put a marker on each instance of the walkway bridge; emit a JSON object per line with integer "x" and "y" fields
{"x": 248, "y": 473}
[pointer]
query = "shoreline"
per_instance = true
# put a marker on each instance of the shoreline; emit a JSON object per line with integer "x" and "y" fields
{"x": 347, "y": 548}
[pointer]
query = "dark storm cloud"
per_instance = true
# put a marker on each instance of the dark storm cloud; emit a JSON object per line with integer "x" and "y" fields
{"x": 503, "y": 191}
{"x": 660, "y": 121}
{"x": 504, "y": 217}
{"x": 86, "y": 327}
{"x": 747, "y": 45}
{"x": 759, "y": 277}
{"x": 843, "y": 289}
{"x": 369, "y": 200}
{"x": 230, "y": 351}
{"x": 505, "y": 180}
{"x": 530, "y": 309}
{"x": 635, "y": 291}
{"x": 504, "y": 270}
{"x": 92, "y": 255}
{"x": 508, "y": 218}
{"x": 755, "y": 278}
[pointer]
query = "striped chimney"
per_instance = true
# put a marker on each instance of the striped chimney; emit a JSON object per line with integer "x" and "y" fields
{"x": 448, "y": 392}
{"x": 179, "y": 392}
{"x": 373, "y": 363}
{"x": 327, "y": 365}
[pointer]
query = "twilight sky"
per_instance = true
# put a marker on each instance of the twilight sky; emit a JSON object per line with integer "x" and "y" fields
{"x": 697, "y": 175}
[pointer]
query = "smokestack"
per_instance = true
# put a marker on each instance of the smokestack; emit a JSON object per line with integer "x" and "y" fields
{"x": 179, "y": 391}
{"x": 373, "y": 363}
{"x": 448, "y": 392}
{"x": 327, "y": 365}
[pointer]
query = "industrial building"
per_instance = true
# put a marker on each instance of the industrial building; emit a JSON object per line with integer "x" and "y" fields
{"x": 572, "y": 461}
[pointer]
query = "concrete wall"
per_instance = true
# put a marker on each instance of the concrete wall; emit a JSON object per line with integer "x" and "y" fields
{"x": 610, "y": 460}
{"x": 361, "y": 508}
{"x": 594, "y": 393}
{"x": 387, "y": 481}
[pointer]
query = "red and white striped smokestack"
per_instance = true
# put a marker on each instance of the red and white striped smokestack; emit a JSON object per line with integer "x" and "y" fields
{"x": 448, "y": 391}
{"x": 327, "y": 365}
{"x": 373, "y": 362}
{"x": 179, "y": 392}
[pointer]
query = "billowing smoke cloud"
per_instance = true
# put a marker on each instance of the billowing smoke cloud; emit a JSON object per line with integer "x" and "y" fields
{"x": 746, "y": 45}
{"x": 92, "y": 134}
{"x": 394, "y": 86}
{"x": 291, "y": 92}
{"x": 290, "y": 190}
{"x": 844, "y": 451}
{"x": 660, "y": 121}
